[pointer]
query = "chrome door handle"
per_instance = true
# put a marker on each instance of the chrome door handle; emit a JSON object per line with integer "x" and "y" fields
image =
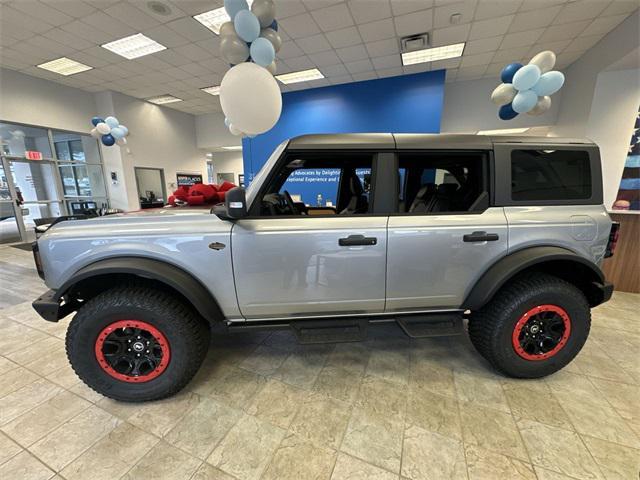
{"x": 356, "y": 240}
{"x": 481, "y": 237}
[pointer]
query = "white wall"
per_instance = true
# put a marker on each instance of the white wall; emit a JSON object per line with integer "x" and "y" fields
{"x": 211, "y": 132}
{"x": 227, "y": 162}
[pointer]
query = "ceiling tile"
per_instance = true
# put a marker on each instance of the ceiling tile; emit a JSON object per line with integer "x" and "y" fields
{"x": 176, "y": 12}
{"x": 352, "y": 54}
{"x": 555, "y": 47}
{"x": 448, "y": 63}
{"x": 378, "y": 30}
{"x": 299, "y": 26}
{"x": 414, "y": 23}
{"x": 468, "y": 73}
{"x": 41, "y": 11}
{"x": 620, "y": 6}
{"x": 190, "y": 29}
{"x": 580, "y": 10}
{"x": 537, "y": 4}
{"x": 192, "y": 51}
{"x": 107, "y": 23}
{"x": 534, "y": 19}
{"x": 166, "y": 36}
{"x": 289, "y": 8}
{"x": 300, "y": 63}
{"x": 487, "y": 9}
{"x": 364, "y": 76}
{"x": 566, "y": 59}
{"x": 48, "y": 45}
{"x": 365, "y": 11}
{"x": 88, "y": 59}
{"x": 582, "y": 44}
{"x": 68, "y": 39}
{"x": 564, "y": 32}
{"x": 442, "y": 14}
{"x": 359, "y": 66}
{"x": 482, "y": 45}
{"x": 323, "y": 59}
{"x": 475, "y": 60}
{"x": 73, "y": 8}
{"x": 23, "y": 20}
{"x": 495, "y": 69}
{"x": 490, "y": 28}
{"x": 320, "y": 82}
{"x": 333, "y": 18}
{"x": 172, "y": 57}
{"x": 417, "y": 68}
{"x": 314, "y": 44}
{"x": 604, "y": 24}
{"x": 344, "y": 38}
{"x": 87, "y": 32}
{"x": 450, "y": 75}
{"x": 14, "y": 31}
{"x": 334, "y": 71}
{"x": 447, "y": 36}
{"x": 132, "y": 16}
{"x": 520, "y": 39}
{"x": 388, "y": 61}
{"x": 316, "y": 4}
{"x": 389, "y": 72}
{"x": 289, "y": 50}
{"x": 381, "y": 48}
{"x": 510, "y": 55}
{"x": 400, "y": 7}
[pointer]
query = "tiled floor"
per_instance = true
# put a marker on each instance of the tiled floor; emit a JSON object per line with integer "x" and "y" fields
{"x": 264, "y": 407}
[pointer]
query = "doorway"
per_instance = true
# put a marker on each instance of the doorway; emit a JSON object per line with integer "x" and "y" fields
{"x": 151, "y": 187}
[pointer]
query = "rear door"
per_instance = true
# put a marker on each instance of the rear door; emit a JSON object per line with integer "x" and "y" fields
{"x": 444, "y": 234}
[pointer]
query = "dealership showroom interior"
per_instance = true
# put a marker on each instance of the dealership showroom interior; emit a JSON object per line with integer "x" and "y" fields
{"x": 320, "y": 239}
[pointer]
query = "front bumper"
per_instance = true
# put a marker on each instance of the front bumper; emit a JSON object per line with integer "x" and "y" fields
{"x": 51, "y": 307}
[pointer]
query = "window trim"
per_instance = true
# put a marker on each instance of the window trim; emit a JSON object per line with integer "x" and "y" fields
{"x": 503, "y": 175}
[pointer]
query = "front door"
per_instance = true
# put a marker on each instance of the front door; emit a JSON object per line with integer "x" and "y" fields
{"x": 313, "y": 246}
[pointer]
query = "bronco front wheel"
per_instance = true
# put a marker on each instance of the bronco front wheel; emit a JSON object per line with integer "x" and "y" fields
{"x": 136, "y": 344}
{"x": 533, "y": 327}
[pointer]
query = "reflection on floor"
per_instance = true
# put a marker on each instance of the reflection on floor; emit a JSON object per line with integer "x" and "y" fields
{"x": 264, "y": 407}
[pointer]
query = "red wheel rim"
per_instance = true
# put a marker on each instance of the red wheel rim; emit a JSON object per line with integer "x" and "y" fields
{"x": 541, "y": 332}
{"x": 132, "y": 351}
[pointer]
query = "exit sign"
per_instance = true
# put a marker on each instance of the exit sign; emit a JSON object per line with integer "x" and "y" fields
{"x": 33, "y": 155}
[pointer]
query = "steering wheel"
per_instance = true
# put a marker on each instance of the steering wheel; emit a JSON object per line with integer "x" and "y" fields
{"x": 289, "y": 201}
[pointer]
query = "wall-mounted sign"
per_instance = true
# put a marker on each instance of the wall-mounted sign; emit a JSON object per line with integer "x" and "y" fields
{"x": 188, "y": 179}
{"x": 629, "y": 193}
{"x": 33, "y": 155}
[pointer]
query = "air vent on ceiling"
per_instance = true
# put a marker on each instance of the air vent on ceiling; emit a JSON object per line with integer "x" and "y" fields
{"x": 414, "y": 42}
{"x": 159, "y": 8}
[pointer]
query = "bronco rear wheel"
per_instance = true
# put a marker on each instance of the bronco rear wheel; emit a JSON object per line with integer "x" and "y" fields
{"x": 136, "y": 344}
{"x": 533, "y": 327}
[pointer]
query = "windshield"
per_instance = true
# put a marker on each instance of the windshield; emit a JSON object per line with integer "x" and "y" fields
{"x": 253, "y": 187}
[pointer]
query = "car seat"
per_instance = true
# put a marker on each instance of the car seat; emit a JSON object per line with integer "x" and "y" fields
{"x": 358, "y": 202}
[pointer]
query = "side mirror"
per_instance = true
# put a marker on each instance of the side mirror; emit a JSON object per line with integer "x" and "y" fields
{"x": 235, "y": 203}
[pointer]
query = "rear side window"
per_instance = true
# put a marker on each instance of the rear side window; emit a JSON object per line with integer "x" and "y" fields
{"x": 550, "y": 175}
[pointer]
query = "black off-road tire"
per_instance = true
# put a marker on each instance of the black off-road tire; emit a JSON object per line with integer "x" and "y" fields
{"x": 491, "y": 328}
{"x": 185, "y": 331}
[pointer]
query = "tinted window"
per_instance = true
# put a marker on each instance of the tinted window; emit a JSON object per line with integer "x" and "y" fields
{"x": 550, "y": 175}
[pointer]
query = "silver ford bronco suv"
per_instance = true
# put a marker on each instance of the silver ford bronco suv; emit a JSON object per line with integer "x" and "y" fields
{"x": 426, "y": 231}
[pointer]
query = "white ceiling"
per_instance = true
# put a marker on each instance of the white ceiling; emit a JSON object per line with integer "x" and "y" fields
{"x": 347, "y": 40}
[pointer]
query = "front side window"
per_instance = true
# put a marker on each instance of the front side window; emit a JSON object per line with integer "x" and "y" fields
{"x": 550, "y": 175}
{"x": 432, "y": 183}
{"x": 319, "y": 185}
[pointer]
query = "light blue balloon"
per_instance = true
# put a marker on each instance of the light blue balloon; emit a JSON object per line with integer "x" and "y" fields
{"x": 247, "y": 25}
{"x": 117, "y": 133}
{"x": 124, "y": 129}
{"x": 234, "y": 6}
{"x": 524, "y": 101}
{"x": 227, "y": 122}
{"x": 262, "y": 52}
{"x": 549, "y": 83}
{"x": 112, "y": 122}
{"x": 526, "y": 77}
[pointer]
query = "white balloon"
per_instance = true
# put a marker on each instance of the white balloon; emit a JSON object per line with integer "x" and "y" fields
{"x": 121, "y": 141}
{"x": 545, "y": 61}
{"x": 103, "y": 128}
{"x": 272, "y": 68}
{"x": 250, "y": 98}
{"x": 234, "y": 130}
{"x": 544, "y": 104}
{"x": 95, "y": 133}
{"x": 503, "y": 94}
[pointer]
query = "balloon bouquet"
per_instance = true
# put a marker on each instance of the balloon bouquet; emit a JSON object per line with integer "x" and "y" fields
{"x": 249, "y": 94}
{"x": 527, "y": 89}
{"x": 109, "y": 131}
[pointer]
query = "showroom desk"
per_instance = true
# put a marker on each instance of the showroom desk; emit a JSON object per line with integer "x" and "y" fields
{"x": 623, "y": 269}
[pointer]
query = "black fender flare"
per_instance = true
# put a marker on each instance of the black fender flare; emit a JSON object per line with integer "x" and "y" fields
{"x": 172, "y": 276}
{"x": 509, "y": 266}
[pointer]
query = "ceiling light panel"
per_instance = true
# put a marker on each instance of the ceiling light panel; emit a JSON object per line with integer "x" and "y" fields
{"x": 213, "y": 19}
{"x": 164, "y": 99}
{"x": 233, "y": 147}
{"x": 301, "y": 76}
{"x": 135, "y": 46}
{"x": 503, "y": 131}
{"x": 64, "y": 66}
{"x": 433, "y": 54}
{"x": 212, "y": 90}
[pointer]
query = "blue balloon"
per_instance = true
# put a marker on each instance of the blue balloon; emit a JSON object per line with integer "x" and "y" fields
{"x": 96, "y": 120}
{"x": 509, "y": 71}
{"x": 507, "y": 112}
{"x": 124, "y": 129}
{"x": 247, "y": 25}
{"x": 526, "y": 77}
{"x": 108, "y": 140}
{"x": 234, "y": 6}
{"x": 522, "y": 102}
{"x": 549, "y": 83}
{"x": 262, "y": 52}
{"x": 112, "y": 122}
{"x": 117, "y": 133}
{"x": 274, "y": 25}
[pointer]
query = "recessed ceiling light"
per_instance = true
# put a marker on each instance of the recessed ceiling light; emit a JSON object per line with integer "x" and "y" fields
{"x": 213, "y": 19}
{"x": 212, "y": 90}
{"x": 163, "y": 99}
{"x": 233, "y": 147}
{"x": 433, "y": 54}
{"x": 64, "y": 66}
{"x": 502, "y": 131}
{"x": 301, "y": 76}
{"x": 135, "y": 46}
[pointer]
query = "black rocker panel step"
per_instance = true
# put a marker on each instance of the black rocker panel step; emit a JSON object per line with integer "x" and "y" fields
{"x": 330, "y": 331}
{"x": 431, "y": 325}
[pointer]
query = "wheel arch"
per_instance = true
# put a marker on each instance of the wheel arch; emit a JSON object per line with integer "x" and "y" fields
{"x": 99, "y": 276}
{"x": 557, "y": 261}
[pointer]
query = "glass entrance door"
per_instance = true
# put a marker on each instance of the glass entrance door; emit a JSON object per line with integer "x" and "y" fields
{"x": 9, "y": 230}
